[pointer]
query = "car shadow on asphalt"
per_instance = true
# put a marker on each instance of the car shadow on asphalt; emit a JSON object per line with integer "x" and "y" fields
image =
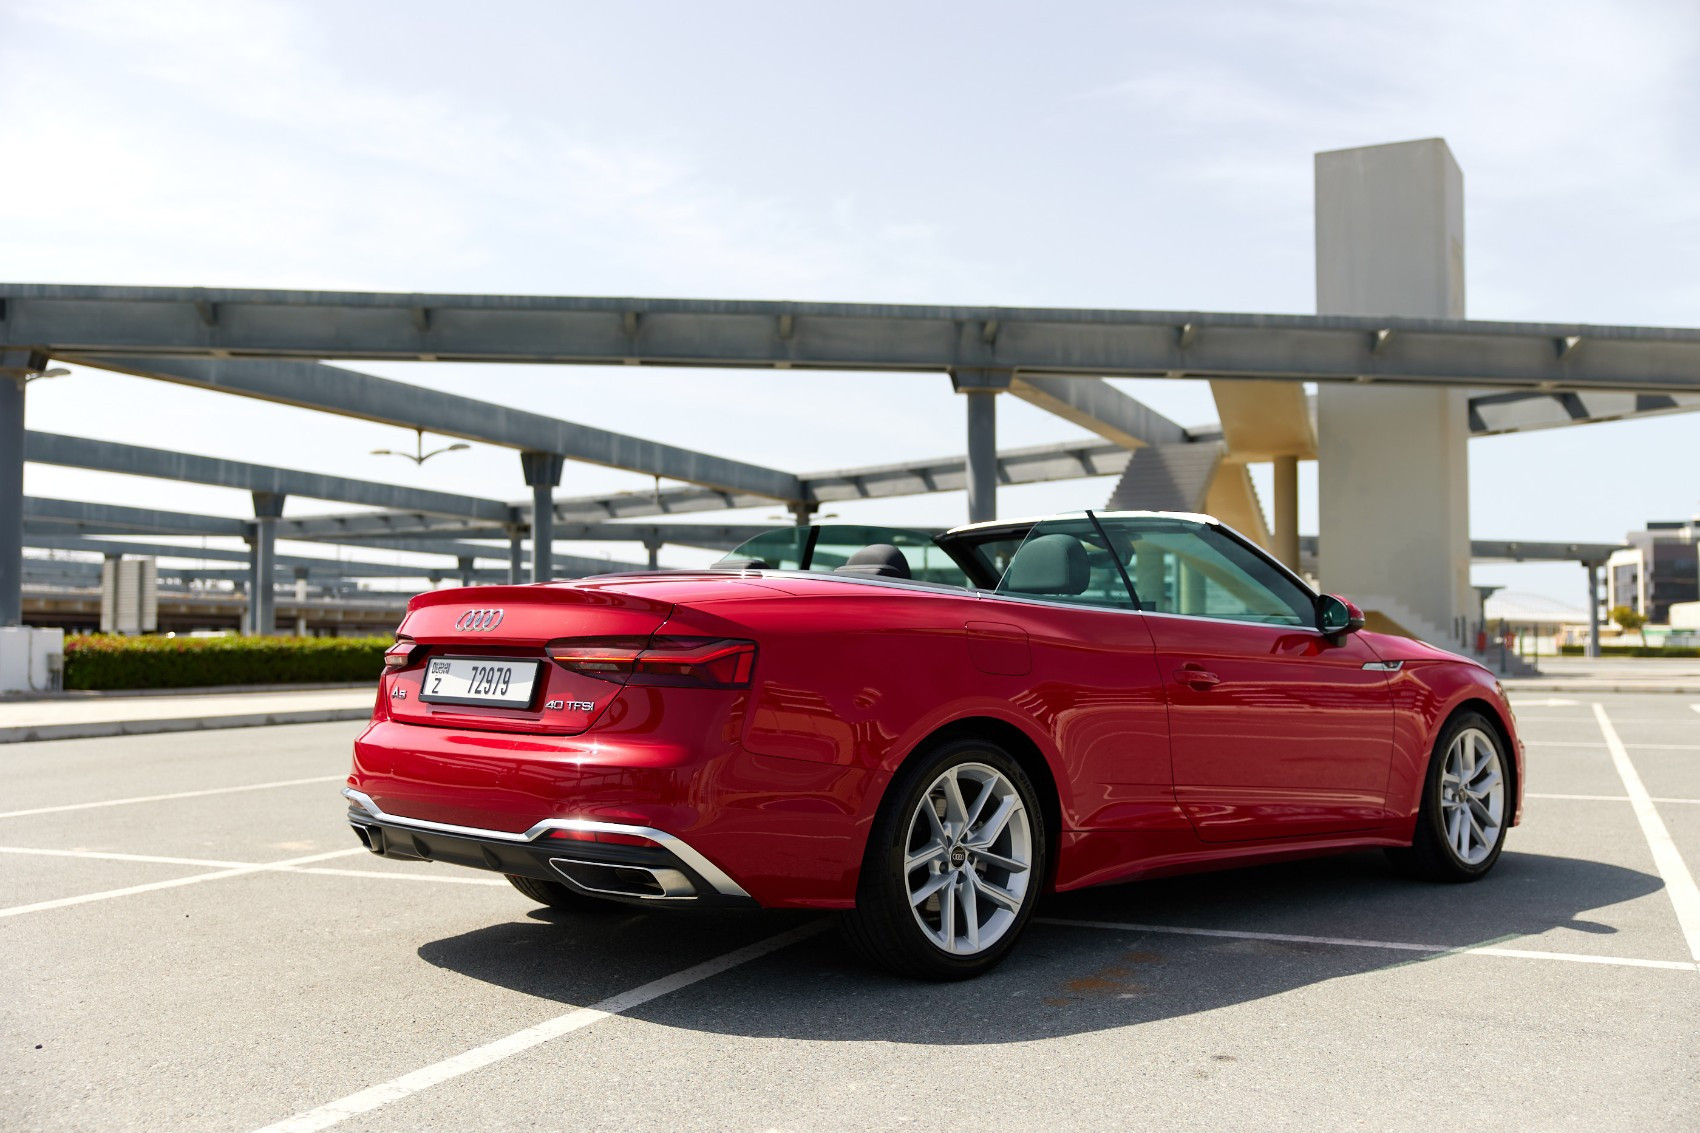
{"x": 1063, "y": 979}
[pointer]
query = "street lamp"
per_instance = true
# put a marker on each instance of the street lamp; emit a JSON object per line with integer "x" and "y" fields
{"x": 419, "y": 455}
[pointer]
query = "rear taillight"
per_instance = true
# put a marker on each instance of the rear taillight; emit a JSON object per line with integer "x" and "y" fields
{"x": 400, "y": 655}
{"x": 685, "y": 662}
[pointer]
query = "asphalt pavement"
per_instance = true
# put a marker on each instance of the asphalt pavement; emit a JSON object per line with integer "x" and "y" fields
{"x": 191, "y": 939}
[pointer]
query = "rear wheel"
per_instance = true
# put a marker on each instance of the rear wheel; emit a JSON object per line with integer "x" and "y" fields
{"x": 955, "y": 864}
{"x": 554, "y": 894}
{"x": 1466, "y": 806}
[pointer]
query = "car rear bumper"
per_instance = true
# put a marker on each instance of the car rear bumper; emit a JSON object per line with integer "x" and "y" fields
{"x": 670, "y": 872}
{"x": 738, "y": 825}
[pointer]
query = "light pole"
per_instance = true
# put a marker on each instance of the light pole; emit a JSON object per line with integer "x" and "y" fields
{"x": 419, "y": 455}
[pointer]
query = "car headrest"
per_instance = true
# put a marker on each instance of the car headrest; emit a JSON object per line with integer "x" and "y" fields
{"x": 880, "y": 560}
{"x": 1050, "y": 564}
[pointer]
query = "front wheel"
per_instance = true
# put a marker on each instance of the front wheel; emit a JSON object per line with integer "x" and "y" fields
{"x": 1466, "y": 805}
{"x": 954, "y": 867}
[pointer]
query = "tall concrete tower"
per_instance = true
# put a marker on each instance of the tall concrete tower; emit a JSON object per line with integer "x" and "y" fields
{"x": 1393, "y": 464}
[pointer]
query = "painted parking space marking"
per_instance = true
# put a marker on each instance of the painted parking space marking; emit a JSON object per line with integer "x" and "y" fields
{"x": 1679, "y": 882}
{"x": 1605, "y": 798}
{"x": 271, "y": 867}
{"x": 1390, "y": 945}
{"x": 396, "y": 1089}
{"x": 1601, "y": 743}
{"x": 193, "y": 879}
{"x": 174, "y": 795}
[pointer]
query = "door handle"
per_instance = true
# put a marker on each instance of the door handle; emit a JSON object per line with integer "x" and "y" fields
{"x": 1196, "y": 675}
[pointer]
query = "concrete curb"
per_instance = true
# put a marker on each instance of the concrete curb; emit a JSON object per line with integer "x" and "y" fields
{"x": 101, "y": 729}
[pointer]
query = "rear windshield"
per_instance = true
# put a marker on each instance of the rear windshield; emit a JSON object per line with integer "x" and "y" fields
{"x": 828, "y": 547}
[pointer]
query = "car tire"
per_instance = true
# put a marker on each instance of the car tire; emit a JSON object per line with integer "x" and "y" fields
{"x": 555, "y": 895}
{"x": 1466, "y": 804}
{"x": 975, "y": 855}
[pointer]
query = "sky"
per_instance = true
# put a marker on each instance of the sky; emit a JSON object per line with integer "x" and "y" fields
{"x": 1114, "y": 155}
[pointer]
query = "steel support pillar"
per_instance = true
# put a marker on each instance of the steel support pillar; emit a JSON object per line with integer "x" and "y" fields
{"x": 803, "y": 512}
{"x": 543, "y": 476}
{"x": 1593, "y": 570}
{"x": 466, "y": 576}
{"x": 981, "y": 388}
{"x": 516, "y": 556}
{"x": 262, "y": 602}
{"x": 654, "y": 549}
{"x": 1287, "y": 511}
{"x": 11, "y": 499}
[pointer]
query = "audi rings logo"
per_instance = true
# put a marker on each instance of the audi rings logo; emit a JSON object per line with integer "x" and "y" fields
{"x": 479, "y": 620}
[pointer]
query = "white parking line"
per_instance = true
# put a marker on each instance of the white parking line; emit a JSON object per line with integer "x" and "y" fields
{"x": 1696, "y": 707}
{"x": 102, "y": 855}
{"x": 1605, "y": 798}
{"x": 376, "y": 1097}
{"x": 1679, "y": 883}
{"x": 63, "y": 902}
{"x": 176, "y": 795}
{"x": 1394, "y": 945}
{"x": 1596, "y": 743}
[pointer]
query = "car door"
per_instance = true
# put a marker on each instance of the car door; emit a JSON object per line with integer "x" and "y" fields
{"x": 1276, "y": 731}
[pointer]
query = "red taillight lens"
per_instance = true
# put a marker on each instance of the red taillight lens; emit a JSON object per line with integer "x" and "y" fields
{"x": 686, "y": 662}
{"x": 399, "y": 655}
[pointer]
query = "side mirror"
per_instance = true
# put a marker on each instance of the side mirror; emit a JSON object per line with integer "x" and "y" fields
{"x": 1335, "y": 615}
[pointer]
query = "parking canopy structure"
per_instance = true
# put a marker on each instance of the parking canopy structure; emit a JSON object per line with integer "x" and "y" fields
{"x": 1431, "y": 377}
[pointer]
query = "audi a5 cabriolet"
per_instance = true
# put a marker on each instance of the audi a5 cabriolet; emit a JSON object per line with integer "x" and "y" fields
{"x": 926, "y": 732}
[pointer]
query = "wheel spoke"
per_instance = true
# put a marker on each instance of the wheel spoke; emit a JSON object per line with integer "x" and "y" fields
{"x": 1480, "y": 813}
{"x": 955, "y": 811}
{"x": 1488, "y": 782}
{"x": 1476, "y": 833}
{"x": 1457, "y": 831}
{"x": 993, "y": 826}
{"x": 970, "y": 911}
{"x": 947, "y": 913}
{"x": 940, "y": 834}
{"x": 932, "y": 851}
{"x": 998, "y": 894}
{"x": 997, "y": 860}
{"x": 928, "y": 887}
{"x": 987, "y": 790}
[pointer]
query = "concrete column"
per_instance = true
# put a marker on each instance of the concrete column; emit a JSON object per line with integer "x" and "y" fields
{"x": 981, "y": 388}
{"x": 516, "y": 556}
{"x": 1287, "y": 511}
{"x": 301, "y": 596}
{"x": 262, "y": 604}
{"x": 465, "y": 562}
{"x": 11, "y": 499}
{"x": 654, "y": 549}
{"x": 543, "y": 475}
{"x": 1593, "y": 570}
{"x": 1393, "y": 463}
{"x": 803, "y": 512}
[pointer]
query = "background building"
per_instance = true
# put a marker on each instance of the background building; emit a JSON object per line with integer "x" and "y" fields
{"x": 1660, "y": 566}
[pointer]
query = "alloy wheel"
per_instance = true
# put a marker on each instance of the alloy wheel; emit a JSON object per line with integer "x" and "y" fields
{"x": 1472, "y": 796}
{"x": 968, "y": 858}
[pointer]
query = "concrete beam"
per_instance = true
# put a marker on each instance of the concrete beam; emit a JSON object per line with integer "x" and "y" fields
{"x": 353, "y": 394}
{"x": 134, "y": 460}
{"x": 71, "y": 321}
{"x": 1099, "y": 407}
{"x": 40, "y": 511}
{"x": 1521, "y": 412}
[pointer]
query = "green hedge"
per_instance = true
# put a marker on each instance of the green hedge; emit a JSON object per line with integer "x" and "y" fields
{"x": 1634, "y": 651}
{"x": 107, "y": 661}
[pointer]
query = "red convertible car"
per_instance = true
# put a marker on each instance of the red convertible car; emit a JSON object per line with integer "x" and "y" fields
{"x": 926, "y": 732}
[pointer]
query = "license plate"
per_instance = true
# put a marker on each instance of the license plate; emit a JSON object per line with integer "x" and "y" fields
{"x": 479, "y": 680}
